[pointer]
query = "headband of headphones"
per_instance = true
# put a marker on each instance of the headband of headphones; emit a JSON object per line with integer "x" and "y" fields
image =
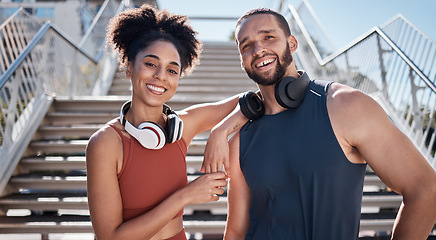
{"x": 151, "y": 135}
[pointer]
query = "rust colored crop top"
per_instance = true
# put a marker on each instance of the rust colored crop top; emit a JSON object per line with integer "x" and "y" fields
{"x": 149, "y": 176}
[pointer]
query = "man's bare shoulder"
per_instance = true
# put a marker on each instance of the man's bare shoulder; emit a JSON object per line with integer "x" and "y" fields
{"x": 347, "y": 101}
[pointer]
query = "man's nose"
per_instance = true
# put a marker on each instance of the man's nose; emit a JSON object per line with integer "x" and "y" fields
{"x": 258, "y": 48}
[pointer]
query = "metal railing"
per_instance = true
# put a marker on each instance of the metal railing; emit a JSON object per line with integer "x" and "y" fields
{"x": 393, "y": 65}
{"x": 48, "y": 65}
{"x": 414, "y": 43}
{"x": 94, "y": 39}
{"x": 15, "y": 33}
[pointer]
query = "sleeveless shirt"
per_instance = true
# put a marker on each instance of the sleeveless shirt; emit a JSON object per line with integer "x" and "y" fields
{"x": 302, "y": 185}
{"x": 150, "y": 176}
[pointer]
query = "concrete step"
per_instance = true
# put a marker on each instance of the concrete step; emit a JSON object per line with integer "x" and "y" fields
{"x": 205, "y": 223}
{"x": 75, "y": 118}
{"x": 100, "y": 104}
{"x": 52, "y": 163}
{"x": 231, "y": 67}
{"x": 209, "y": 224}
{"x": 56, "y": 181}
{"x": 105, "y": 107}
{"x": 232, "y": 61}
{"x": 45, "y": 201}
{"x": 211, "y": 76}
{"x": 53, "y": 201}
{"x": 76, "y": 132}
{"x": 48, "y": 181}
{"x": 69, "y": 163}
{"x": 77, "y": 180}
{"x": 68, "y": 132}
{"x": 53, "y": 147}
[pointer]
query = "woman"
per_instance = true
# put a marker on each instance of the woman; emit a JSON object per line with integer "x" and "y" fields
{"x": 137, "y": 182}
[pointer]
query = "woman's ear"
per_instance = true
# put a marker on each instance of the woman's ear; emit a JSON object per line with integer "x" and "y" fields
{"x": 129, "y": 70}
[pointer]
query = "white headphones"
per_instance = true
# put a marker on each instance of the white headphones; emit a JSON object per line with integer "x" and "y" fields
{"x": 150, "y": 134}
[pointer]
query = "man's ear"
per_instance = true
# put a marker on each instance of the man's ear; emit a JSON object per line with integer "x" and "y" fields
{"x": 293, "y": 44}
{"x": 242, "y": 63}
{"x": 129, "y": 70}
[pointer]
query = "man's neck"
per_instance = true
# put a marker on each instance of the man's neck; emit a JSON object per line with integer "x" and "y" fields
{"x": 270, "y": 103}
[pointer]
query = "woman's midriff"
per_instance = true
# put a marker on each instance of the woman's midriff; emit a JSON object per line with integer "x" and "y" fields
{"x": 171, "y": 229}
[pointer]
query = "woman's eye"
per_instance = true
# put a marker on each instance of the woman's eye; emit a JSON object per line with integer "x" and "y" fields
{"x": 173, "y": 71}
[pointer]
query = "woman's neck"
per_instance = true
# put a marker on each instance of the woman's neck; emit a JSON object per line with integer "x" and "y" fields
{"x": 139, "y": 113}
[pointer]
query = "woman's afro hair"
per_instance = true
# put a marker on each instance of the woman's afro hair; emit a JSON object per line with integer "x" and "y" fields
{"x": 135, "y": 29}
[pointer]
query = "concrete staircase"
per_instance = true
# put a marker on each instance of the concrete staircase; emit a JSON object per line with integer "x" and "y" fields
{"x": 47, "y": 194}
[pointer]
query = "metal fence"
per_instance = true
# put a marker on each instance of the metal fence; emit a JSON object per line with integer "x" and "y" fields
{"x": 15, "y": 33}
{"x": 47, "y": 64}
{"x": 392, "y": 65}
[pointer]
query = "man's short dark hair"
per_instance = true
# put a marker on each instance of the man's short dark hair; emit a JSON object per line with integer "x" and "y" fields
{"x": 280, "y": 18}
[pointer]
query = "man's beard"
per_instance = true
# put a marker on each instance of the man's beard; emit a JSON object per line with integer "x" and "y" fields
{"x": 278, "y": 73}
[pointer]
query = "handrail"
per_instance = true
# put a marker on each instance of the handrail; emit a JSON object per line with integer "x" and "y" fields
{"x": 406, "y": 59}
{"x": 20, "y": 10}
{"x": 324, "y": 61}
{"x": 306, "y": 33}
{"x": 16, "y": 31}
{"x": 40, "y": 34}
{"x": 44, "y": 29}
{"x": 408, "y": 22}
{"x": 94, "y": 23}
{"x": 102, "y": 47}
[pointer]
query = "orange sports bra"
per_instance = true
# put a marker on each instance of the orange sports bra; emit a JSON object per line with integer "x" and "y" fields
{"x": 149, "y": 176}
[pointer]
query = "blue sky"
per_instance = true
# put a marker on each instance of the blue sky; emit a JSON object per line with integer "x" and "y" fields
{"x": 344, "y": 20}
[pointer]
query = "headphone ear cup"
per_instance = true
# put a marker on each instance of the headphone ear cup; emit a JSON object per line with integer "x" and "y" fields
{"x": 151, "y": 136}
{"x": 174, "y": 128}
{"x": 251, "y": 105}
{"x": 281, "y": 93}
{"x": 179, "y": 136}
{"x": 289, "y": 92}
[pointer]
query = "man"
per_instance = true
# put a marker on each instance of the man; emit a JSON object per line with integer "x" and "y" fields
{"x": 297, "y": 172}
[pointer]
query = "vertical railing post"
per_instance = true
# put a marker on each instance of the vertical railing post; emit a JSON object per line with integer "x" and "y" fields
{"x": 383, "y": 71}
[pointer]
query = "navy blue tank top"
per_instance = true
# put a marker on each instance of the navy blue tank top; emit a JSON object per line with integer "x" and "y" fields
{"x": 303, "y": 187}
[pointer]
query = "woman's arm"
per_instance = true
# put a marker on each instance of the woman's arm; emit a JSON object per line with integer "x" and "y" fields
{"x": 104, "y": 198}
{"x": 202, "y": 117}
{"x": 216, "y": 153}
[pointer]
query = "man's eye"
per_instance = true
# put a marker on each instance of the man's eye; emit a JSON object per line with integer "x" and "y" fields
{"x": 245, "y": 46}
{"x": 150, "y": 64}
